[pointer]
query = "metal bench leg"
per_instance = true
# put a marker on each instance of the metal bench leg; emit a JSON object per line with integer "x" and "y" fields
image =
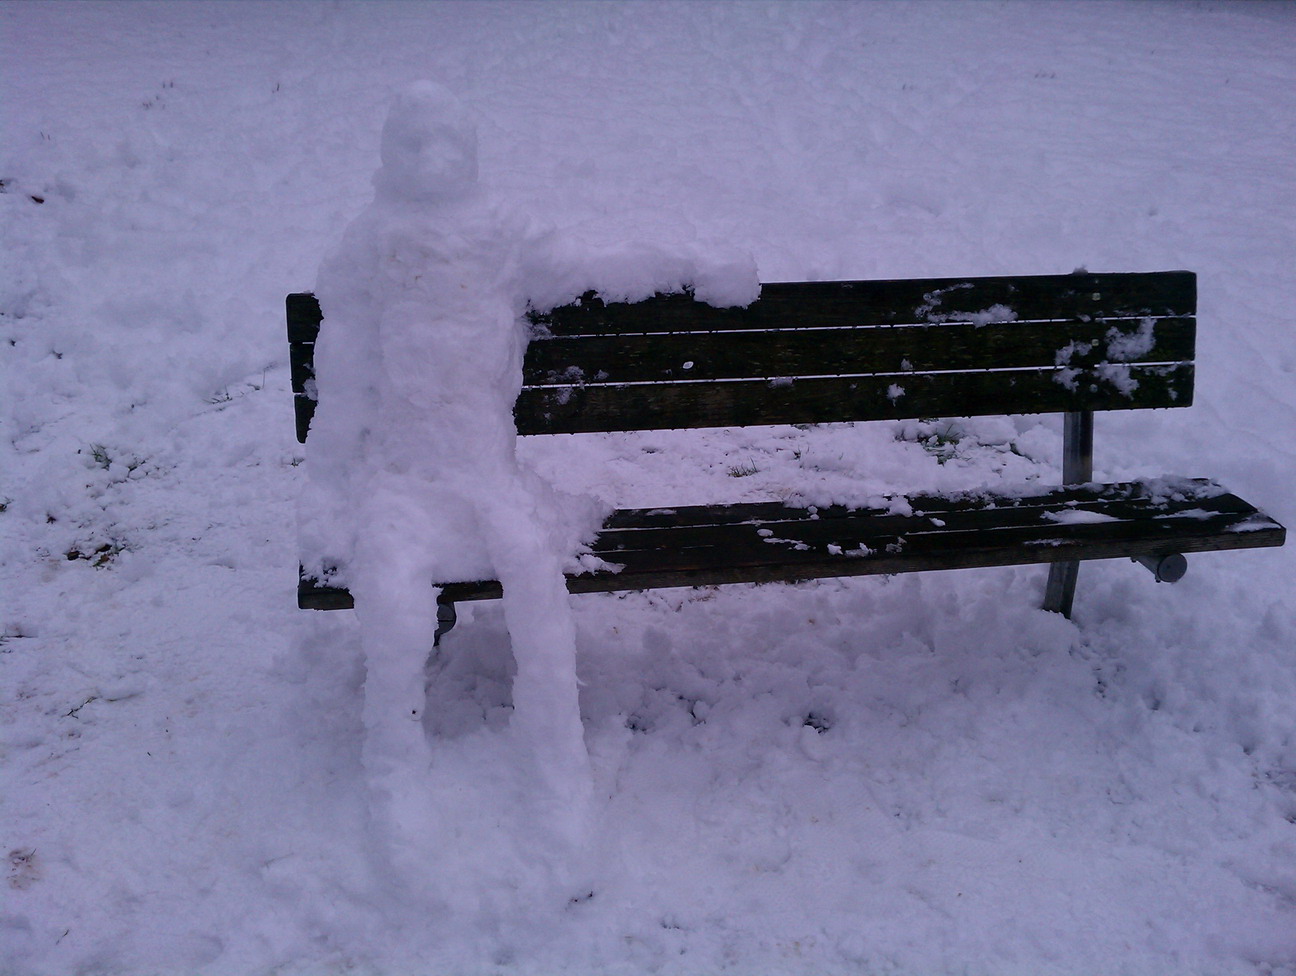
{"x": 1077, "y": 469}
{"x": 446, "y": 619}
{"x": 1059, "y": 594}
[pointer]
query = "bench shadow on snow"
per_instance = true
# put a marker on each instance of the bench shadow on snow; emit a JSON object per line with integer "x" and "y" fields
{"x": 761, "y": 660}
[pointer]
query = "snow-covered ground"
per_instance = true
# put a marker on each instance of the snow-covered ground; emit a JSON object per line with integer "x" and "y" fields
{"x": 915, "y": 775}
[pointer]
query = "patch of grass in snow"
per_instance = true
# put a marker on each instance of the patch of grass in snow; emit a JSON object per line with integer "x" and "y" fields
{"x": 24, "y": 868}
{"x": 950, "y": 440}
{"x": 101, "y": 457}
{"x": 224, "y": 395}
{"x": 100, "y": 555}
{"x": 941, "y": 439}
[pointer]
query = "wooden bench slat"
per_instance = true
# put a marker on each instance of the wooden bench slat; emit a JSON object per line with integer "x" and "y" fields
{"x": 807, "y": 543}
{"x": 898, "y": 302}
{"x": 918, "y": 360}
{"x": 954, "y": 550}
{"x": 848, "y": 528}
{"x": 993, "y": 533}
{"x": 893, "y": 552}
{"x": 666, "y": 357}
{"x": 852, "y": 529}
{"x": 304, "y": 317}
{"x": 726, "y": 546}
{"x": 940, "y": 505}
{"x": 570, "y": 410}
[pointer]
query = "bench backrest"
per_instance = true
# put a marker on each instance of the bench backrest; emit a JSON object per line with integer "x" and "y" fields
{"x": 833, "y": 351}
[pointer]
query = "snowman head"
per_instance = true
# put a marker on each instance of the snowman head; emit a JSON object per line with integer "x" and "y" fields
{"x": 429, "y": 147}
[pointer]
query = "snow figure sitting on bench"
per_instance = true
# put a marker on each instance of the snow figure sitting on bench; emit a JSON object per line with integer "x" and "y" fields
{"x": 412, "y": 462}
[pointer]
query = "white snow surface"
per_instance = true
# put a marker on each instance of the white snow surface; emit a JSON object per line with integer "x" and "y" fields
{"x": 911, "y": 775}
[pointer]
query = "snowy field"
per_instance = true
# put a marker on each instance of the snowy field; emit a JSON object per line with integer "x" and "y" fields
{"x": 916, "y": 775}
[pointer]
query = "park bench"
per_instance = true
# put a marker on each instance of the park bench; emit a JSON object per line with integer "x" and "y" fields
{"x": 848, "y": 351}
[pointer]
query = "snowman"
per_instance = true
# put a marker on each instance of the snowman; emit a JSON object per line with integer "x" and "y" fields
{"x": 414, "y": 475}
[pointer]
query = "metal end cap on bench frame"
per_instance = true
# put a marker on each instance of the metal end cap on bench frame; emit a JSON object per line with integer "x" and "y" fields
{"x": 1169, "y": 568}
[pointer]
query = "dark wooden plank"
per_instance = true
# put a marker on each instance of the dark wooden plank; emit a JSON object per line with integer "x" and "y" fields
{"x": 979, "y": 529}
{"x": 910, "y": 301}
{"x": 570, "y": 410}
{"x": 971, "y": 550}
{"x": 1195, "y": 523}
{"x": 665, "y": 357}
{"x": 303, "y": 414}
{"x": 1182, "y": 492}
{"x": 934, "y": 517}
{"x": 304, "y": 317}
{"x": 314, "y": 595}
{"x": 849, "y": 528}
{"x": 566, "y": 410}
{"x": 792, "y": 544}
{"x": 963, "y": 551}
{"x": 301, "y": 360}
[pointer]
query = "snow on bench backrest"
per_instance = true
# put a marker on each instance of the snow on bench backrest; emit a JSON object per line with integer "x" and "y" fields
{"x": 823, "y": 352}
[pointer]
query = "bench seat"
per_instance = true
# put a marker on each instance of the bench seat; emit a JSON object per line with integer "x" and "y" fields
{"x": 767, "y": 541}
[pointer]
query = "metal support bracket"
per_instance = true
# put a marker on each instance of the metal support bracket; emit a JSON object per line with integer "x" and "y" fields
{"x": 446, "y": 619}
{"x": 1077, "y": 469}
{"x": 1077, "y": 447}
{"x": 1168, "y": 568}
